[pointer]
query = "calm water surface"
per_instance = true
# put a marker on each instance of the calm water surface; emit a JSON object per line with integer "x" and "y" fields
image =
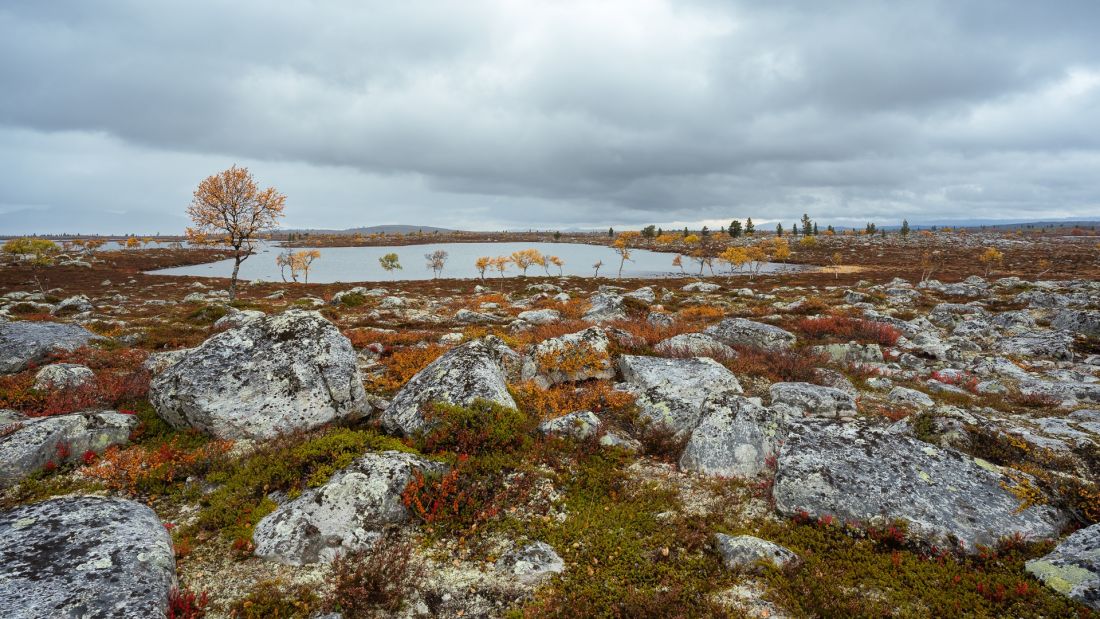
{"x": 360, "y": 264}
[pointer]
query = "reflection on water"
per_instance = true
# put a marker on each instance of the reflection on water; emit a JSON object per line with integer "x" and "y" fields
{"x": 360, "y": 264}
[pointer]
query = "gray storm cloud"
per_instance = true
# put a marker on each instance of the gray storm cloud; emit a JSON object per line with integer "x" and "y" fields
{"x": 520, "y": 114}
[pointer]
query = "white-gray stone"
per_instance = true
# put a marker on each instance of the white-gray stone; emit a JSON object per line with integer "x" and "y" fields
{"x": 281, "y": 373}
{"x": 347, "y": 513}
{"x": 863, "y": 473}
{"x": 25, "y": 342}
{"x": 569, "y": 358}
{"x": 63, "y": 376}
{"x": 28, "y": 443}
{"x": 807, "y": 400}
{"x": 735, "y": 438}
{"x": 694, "y": 345}
{"x": 744, "y": 332}
{"x": 84, "y": 556}
{"x": 748, "y": 553}
{"x": 579, "y": 425}
{"x": 531, "y": 564}
{"x": 460, "y": 376}
{"x": 1073, "y": 567}
{"x": 672, "y": 391}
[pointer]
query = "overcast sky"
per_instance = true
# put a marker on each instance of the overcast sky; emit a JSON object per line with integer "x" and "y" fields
{"x": 485, "y": 114}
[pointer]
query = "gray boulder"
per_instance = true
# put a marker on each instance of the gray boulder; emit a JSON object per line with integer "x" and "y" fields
{"x": 851, "y": 352}
{"x": 910, "y": 398}
{"x": 1078, "y": 322}
{"x": 570, "y": 358}
{"x": 1073, "y": 567}
{"x": 743, "y": 332}
{"x": 84, "y": 556}
{"x": 645, "y": 295}
{"x": 579, "y": 425}
{"x": 63, "y": 376}
{"x": 237, "y": 318}
{"x": 540, "y": 317}
{"x": 25, "y": 342}
{"x": 531, "y": 564}
{"x": 672, "y": 391}
{"x": 28, "y": 443}
{"x": 701, "y": 287}
{"x": 1053, "y": 344}
{"x": 856, "y": 472}
{"x": 348, "y": 513}
{"x": 806, "y": 400}
{"x": 463, "y": 374}
{"x": 605, "y": 307}
{"x": 281, "y": 373}
{"x": 735, "y": 438}
{"x": 745, "y": 552}
{"x": 695, "y": 345}
{"x": 73, "y": 305}
{"x": 471, "y": 317}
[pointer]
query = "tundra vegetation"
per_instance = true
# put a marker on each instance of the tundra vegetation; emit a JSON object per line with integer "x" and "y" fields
{"x": 748, "y": 444}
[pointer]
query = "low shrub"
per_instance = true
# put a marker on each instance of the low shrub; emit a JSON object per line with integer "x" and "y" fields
{"x": 844, "y": 563}
{"x": 378, "y": 579}
{"x": 701, "y": 313}
{"x": 151, "y": 471}
{"x": 483, "y": 427}
{"x": 558, "y": 400}
{"x": 847, "y": 329}
{"x": 119, "y": 380}
{"x": 353, "y": 299}
{"x": 401, "y": 365}
{"x": 795, "y": 365}
{"x": 582, "y": 359}
{"x": 186, "y": 604}
{"x": 274, "y": 599}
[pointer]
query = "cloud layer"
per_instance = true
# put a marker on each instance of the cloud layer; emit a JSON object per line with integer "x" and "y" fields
{"x": 491, "y": 114}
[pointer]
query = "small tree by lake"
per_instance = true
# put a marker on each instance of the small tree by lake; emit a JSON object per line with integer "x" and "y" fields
{"x": 390, "y": 262}
{"x": 436, "y": 260}
{"x": 231, "y": 208}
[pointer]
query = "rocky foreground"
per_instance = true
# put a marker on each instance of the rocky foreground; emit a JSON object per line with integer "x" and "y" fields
{"x": 705, "y": 450}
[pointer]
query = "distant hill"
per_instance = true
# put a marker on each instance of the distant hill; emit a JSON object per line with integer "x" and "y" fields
{"x": 388, "y": 229}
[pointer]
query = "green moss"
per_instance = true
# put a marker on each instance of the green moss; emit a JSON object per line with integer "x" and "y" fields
{"x": 626, "y": 552}
{"x": 483, "y": 427}
{"x": 353, "y": 299}
{"x": 924, "y": 427}
{"x": 275, "y": 599}
{"x": 289, "y": 465}
{"x": 208, "y": 315}
{"x": 850, "y": 576}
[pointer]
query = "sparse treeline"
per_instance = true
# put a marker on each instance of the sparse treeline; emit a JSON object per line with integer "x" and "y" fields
{"x": 523, "y": 260}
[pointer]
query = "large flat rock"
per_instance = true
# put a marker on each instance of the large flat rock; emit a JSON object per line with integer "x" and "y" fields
{"x": 857, "y": 472}
{"x": 1073, "y": 567}
{"x": 84, "y": 556}
{"x": 27, "y": 342}
{"x": 743, "y": 332}
{"x": 736, "y": 438}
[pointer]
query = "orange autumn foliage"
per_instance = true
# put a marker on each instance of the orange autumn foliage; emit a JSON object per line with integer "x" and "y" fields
{"x": 230, "y": 208}
{"x": 595, "y": 396}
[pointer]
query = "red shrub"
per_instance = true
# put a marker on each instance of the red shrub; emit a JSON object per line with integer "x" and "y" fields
{"x": 186, "y": 604}
{"x": 842, "y": 327}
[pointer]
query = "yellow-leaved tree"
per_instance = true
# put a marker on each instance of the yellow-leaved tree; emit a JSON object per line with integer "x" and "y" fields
{"x": 230, "y": 207}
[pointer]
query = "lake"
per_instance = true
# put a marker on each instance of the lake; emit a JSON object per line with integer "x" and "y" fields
{"x": 360, "y": 264}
